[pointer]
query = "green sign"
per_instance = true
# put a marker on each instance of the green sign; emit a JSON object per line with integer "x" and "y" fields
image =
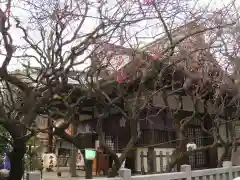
{"x": 90, "y": 154}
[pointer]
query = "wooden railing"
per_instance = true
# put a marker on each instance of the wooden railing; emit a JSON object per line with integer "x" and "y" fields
{"x": 158, "y": 160}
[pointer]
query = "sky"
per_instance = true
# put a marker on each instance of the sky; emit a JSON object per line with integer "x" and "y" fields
{"x": 147, "y": 30}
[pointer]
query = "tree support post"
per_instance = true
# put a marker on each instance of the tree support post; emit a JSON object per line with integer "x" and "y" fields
{"x": 88, "y": 166}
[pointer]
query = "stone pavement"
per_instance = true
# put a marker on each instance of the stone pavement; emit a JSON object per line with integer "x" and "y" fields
{"x": 66, "y": 175}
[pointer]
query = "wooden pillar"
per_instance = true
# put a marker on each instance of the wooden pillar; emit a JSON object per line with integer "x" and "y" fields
{"x": 73, "y": 158}
{"x": 50, "y": 136}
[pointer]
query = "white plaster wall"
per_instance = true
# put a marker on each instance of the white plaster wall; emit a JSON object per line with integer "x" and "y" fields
{"x": 138, "y": 159}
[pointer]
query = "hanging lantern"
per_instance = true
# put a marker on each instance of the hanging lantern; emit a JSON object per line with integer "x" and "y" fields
{"x": 191, "y": 146}
{"x": 49, "y": 161}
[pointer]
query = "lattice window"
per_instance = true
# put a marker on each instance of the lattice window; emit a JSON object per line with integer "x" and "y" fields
{"x": 190, "y": 134}
{"x": 113, "y": 143}
{"x": 160, "y": 136}
{"x": 116, "y": 144}
{"x": 198, "y": 159}
{"x": 109, "y": 142}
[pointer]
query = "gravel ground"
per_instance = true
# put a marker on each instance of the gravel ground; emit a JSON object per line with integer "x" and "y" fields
{"x": 66, "y": 175}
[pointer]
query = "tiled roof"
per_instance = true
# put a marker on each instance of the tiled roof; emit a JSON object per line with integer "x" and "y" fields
{"x": 193, "y": 53}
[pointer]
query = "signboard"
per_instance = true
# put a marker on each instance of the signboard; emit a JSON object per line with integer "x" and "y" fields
{"x": 80, "y": 160}
{"x": 90, "y": 154}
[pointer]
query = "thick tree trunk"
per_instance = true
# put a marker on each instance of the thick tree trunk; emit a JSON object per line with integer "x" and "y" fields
{"x": 179, "y": 158}
{"x": 114, "y": 171}
{"x": 16, "y": 157}
{"x": 223, "y": 156}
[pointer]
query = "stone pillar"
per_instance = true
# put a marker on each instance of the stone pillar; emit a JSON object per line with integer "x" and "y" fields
{"x": 187, "y": 170}
{"x": 125, "y": 173}
{"x": 228, "y": 164}
{"x": 35, "y": 175}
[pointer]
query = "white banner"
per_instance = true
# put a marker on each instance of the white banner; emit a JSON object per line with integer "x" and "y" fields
{"x": 80, "y": 160}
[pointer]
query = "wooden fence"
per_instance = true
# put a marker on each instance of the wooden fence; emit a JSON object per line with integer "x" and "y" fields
{"x": 156, "y": 162}
{"x": 227, "y": 172}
